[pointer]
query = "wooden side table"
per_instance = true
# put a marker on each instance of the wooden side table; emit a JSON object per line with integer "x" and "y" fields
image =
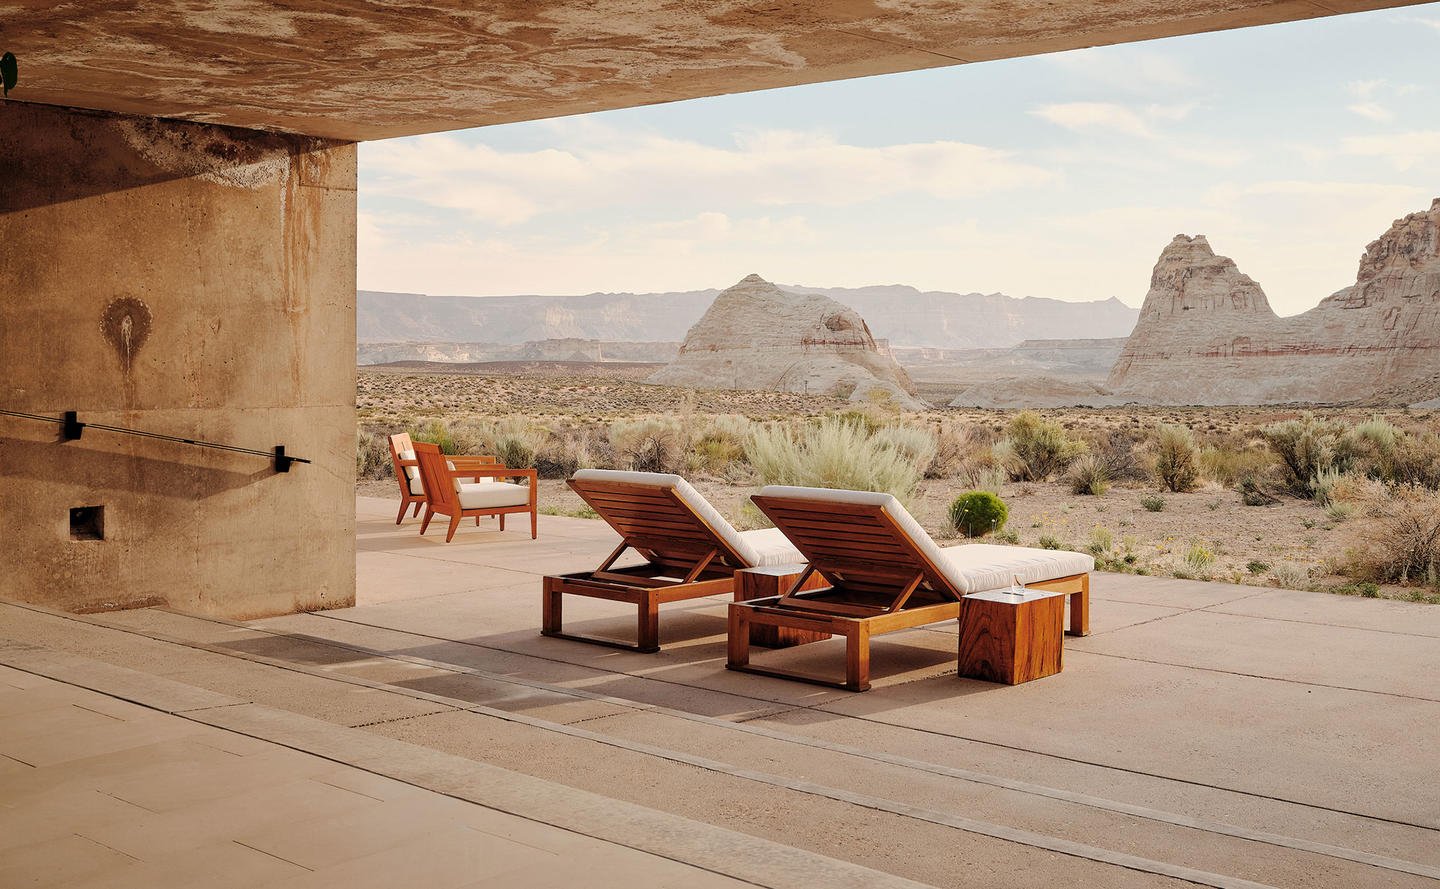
{"x": 761, "y": 583}
{"x": 1011, "y": 638}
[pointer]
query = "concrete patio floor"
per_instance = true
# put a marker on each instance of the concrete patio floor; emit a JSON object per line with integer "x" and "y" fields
{"x": 1203, "y": 734}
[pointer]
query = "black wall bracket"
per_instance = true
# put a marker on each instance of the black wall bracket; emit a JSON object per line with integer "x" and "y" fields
{"x": 71, "y": 428}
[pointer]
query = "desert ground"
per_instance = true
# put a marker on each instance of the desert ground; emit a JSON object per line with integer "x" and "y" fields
{"x": 1136, "y": 524}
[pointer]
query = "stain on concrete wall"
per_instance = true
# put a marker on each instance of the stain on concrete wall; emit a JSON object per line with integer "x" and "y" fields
{"x": 191, "y": 280}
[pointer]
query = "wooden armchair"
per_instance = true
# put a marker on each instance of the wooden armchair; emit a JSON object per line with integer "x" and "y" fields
{"x": 446, "y": 495}
{"x": 407, "y": 472}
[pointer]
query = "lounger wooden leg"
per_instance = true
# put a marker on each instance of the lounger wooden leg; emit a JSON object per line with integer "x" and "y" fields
{"x": 1080, "y": 609}
{"x": 429, "y": 514}
{"x": 550, "y": 608}
{"x": 477, "y": 521}
{"x": 648, "y": 637}
{"x": 738, "y": 647}
{"x": 502, "y": 521}
{"x": 857, "y": 658}
{"x": 534, "y": 525}
{"x": 454, "y": 524}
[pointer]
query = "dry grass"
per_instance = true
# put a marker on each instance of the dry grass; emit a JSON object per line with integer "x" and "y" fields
{"x": 568, "y": 422}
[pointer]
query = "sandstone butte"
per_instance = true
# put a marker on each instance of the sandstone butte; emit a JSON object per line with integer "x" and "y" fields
{"x": 757, "y": 336}
{"x": 1207, "y": 335}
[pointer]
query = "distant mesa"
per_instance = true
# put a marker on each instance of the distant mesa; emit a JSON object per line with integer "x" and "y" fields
{"x": 1207, "y": 334}
{"x": 758, "y": 336}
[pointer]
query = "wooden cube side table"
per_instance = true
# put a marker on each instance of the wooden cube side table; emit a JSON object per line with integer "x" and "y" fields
{"x": 776, "y": 580}
{"x": 1011, "y": 638}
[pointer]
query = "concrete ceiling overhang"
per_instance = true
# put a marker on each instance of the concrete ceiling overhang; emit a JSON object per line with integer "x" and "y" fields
{"x": 366, "y": 69}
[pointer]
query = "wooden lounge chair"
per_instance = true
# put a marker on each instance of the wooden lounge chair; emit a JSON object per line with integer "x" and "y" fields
{"x": 689, "y": 550}
{"x": 407, "y": 472}
{"x": 885, "y": 574}
{"x": 446, "y": 495}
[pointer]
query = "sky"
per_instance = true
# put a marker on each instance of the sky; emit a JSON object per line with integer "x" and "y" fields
{"x": 1290, "y": 146}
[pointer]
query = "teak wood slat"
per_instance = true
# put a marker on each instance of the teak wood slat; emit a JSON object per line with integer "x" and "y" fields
{"x": 685, "y": 559}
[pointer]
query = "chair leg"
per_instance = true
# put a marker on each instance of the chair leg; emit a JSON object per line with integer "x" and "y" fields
{"x": 477, "y": 521}
{"x": 550, "y": 608}
{"x": 418, "y": 504}
{"x": 534, "y": 525}
{"x": 454, "y": 524}
{"x": 429, "y": 514}
{"x": 1080, "y": 609}
{"x": 404, "y": 505}
{"x": 502, "y": 521}
{"x": 648, "y": 637}
{"x": 737, "y": 647}
{"x": 857, "y": 659}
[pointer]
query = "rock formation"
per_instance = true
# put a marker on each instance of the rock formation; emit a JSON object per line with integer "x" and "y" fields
{"x": 757, "y": 336}
{"x": 1207, "y": 335}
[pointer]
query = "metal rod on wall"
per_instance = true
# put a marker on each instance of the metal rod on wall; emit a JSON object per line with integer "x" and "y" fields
{"x": 72, "y": 428}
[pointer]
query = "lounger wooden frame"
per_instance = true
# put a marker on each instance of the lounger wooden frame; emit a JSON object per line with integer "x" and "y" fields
{"x": 685, "y": 559}
{"x": 880, "y": 581}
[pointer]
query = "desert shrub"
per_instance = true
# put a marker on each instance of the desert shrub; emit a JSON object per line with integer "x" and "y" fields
{"x": 372, "y": 456}
{"x": 1152, "y": 502}
{"x": 1399, "y": 539}
{"x": 1256, "y": 491}
{"x": 1257, "y": 567}
{"x": 1228, "y": 461}
{"x": 1101, "y": 539}
{"x": 1338, "y": 510}
{"x": 914, "y": 443}
{"x": 1034, "y": 449}
{"x": 1115, "y": 453}
{"x": 562, "y": 457}
{"x": 719, "y": 446}
{"x": 1417, "y": 460}
{"x": 1049, "y": 541}
{"x": 956, "y": 449}
{"x": 866, "y": 420}
{"x": 1199, "y": 558}
{"x": 438, "y": 433}
{"x": 1306, "y": 447}
{"x": 1005, "y": 535}
{"x": 829, "y": 453}
{"x": 1176, "y": 461}
{"x": 1322, "y": 486}
{"x": 1088, "y": 475}
{"x": 977, "y": 513}
{"x": 649, "y": 444}
{"x": 1370, "y": 448}
{"x": 1290, "y": 577}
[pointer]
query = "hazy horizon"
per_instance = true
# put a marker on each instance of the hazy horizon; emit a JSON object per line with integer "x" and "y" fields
{"x": 1060, "y": 176}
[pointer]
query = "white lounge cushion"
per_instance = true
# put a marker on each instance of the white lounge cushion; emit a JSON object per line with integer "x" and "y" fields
{"x": 772, "y": 548}
{"x": 988, "y": 566}
{"x": 494, "y": 495}
{"x": 755, "y": 548}
{"x": 970, "y": 572}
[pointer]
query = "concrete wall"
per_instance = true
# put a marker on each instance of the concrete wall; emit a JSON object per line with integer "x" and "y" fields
{"x": 192, "y": 280}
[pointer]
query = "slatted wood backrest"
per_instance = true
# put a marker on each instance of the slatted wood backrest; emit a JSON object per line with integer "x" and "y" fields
{"x": 656, "y": 521}
{"x": 439, "y": 486}
{"x": 858, "y": 546}
{"x": 398, "y": 443}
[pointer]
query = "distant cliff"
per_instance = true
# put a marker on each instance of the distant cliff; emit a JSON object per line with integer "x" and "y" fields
{"x": 904, "y": 316}
{"x": 1207, "y": 334}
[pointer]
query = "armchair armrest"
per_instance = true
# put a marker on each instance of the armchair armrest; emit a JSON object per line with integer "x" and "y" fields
{"x": 494, "y": 471}
{"x": 466, "y": 462}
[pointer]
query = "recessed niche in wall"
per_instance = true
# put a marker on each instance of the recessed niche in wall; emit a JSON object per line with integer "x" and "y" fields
{"x": 87, "y": 523}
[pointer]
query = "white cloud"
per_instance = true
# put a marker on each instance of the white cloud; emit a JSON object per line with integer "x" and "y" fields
{"x": 1129, "y": 69}
{"x": 1402, "y": 150}
{"x": 1095, "y": 115}
{"x": 1371, "y": 110}
{"x": 766, "y": 168}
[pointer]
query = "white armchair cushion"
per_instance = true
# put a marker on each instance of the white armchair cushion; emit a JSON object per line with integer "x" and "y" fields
{"x": 493, "y": 495}
{"x": 415, "y": 487}
{"x": 412, "y": 472}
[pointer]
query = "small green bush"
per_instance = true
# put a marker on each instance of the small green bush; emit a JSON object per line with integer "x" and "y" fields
{"x": 1199, "y": 558}
{"x": 1254, "y": 492}
{"x": 1048, "y": 541}
{"x": 1306, "y": 447}
{"x": 438, "y": 433}
{"x": 977, "y": 513}
{"x": 1257, "y": 567}
{"x": 1177, "y": 458}
{"x": 1152, "y": 502}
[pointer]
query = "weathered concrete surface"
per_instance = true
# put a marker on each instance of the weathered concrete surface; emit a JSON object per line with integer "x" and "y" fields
{"x": 363, "y": 69}
{"x": 190, "y": 280}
